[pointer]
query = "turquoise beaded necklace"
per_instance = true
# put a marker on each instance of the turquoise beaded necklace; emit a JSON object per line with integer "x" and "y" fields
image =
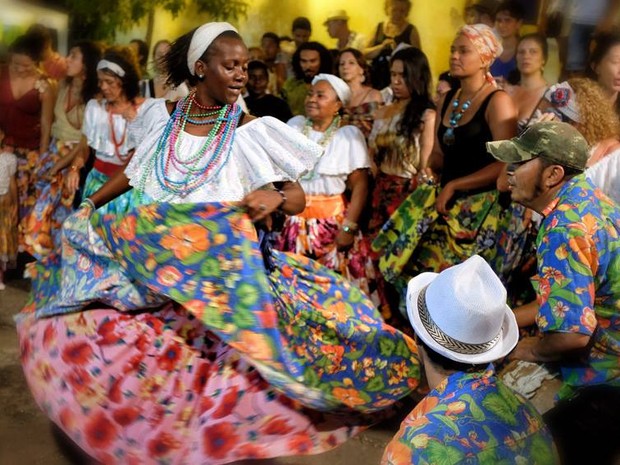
{"x": 456, "y": 114}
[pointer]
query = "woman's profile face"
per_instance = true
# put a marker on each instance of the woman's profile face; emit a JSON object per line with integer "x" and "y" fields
{"x": 530, "y": 58}
{"x": 464, "y": 58}
{"x": 226, "y": 73}
{"x": 322, "y": 102}
{"x": 608, "y": 70}
{"x": 75, "y": 63}
{"x": 349, "y": 69}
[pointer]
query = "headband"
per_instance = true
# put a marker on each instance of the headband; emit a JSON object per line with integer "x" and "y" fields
{"x": 342, "y": 89}
{"x": 110, "y": 65}
{"x": 562, "y": 97}
{"x": 202, "y": 38}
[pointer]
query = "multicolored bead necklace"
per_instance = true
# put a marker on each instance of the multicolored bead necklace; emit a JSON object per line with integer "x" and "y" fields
{"x": 205, "y": 164}
{"x": 457, "y": 113}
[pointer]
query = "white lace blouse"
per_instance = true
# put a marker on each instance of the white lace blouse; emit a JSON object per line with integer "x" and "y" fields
{"x": 8, "y": 168}
{"x": 264, "y": 151}
{"x": 96, "y": 128}
{"x": 345, "y": 153}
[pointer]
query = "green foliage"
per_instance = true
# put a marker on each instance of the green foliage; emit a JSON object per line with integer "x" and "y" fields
{"x": 101, "y": 19}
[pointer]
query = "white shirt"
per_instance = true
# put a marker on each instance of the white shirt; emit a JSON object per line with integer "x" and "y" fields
{"x": 264, "y": 151}
{"x": 345, "y": 153}
{"x": 606, "y": 175}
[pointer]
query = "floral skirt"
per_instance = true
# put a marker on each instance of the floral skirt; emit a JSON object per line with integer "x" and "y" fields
{"x": 94, "y": 181}
{"x": 416, "y": 239}
{"x": 388, "y": 193}
{"x": 261, "y": 354}
{"x": 54, "y": 203}
{"x": 313, "y": 234}
{"x": 8, "y": 227}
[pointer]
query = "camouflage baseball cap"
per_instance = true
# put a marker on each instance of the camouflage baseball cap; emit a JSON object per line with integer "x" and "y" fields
{"x": 558, "y": 142}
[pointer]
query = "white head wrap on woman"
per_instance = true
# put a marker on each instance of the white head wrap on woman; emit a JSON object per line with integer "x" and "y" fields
{"x": 111, "y": 66}
{"x": 202, "y": 38}
{"x": 342, "y": 89}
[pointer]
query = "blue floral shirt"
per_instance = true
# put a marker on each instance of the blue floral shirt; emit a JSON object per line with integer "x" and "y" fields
{"x": 578, "y": 280}
{"x": 471, "y": 418}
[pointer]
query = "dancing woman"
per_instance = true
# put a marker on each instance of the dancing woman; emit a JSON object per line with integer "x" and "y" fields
{"x": 163, "y": 335}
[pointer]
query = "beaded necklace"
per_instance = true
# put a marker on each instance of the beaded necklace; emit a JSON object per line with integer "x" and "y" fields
{"x": 204, "y": 165}
{"x": 457, "y": 113}
{"x": 116, "y": 143}
{"x": 328, "y": 135}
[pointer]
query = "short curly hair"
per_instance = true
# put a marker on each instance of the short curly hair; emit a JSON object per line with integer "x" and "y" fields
{"x": 597, "y": 118}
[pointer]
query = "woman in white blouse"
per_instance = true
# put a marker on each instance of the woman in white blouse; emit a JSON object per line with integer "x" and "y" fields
{"x": 112, "y": 125}
{"x": 327, "y": 230}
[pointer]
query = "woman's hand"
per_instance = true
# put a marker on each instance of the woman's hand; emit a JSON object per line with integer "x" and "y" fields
{"x": 261, "y": 203}
{"x": 72, "y": 181}
{"x": 426, "y": 176}
{"x": 344, "y": 240}
{"x": 444, "y": 198}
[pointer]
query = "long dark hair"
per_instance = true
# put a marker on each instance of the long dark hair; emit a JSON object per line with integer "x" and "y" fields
{"x": 91, "y": 55}
{"x": 175, "y": 61}
{"x": 126, "y": 59}
{"x": 325, "y": 57}
{"x": 418, "y": 79}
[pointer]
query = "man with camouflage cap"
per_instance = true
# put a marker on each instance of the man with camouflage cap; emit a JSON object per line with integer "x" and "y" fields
{"x": 578, "y": 286}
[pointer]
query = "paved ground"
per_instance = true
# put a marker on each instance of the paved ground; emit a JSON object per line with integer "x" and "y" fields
{"x": 26, "y": 437}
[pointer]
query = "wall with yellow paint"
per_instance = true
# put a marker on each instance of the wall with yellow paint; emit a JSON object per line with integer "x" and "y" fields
{"x": 436, "y": 20}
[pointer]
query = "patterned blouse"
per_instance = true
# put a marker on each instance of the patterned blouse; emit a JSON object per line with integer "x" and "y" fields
{"x": 578, "y": 279}
{"x": 471, "y": 418}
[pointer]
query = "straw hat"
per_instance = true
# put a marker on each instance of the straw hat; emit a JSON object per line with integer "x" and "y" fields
{"x": 462, "y": 314}
{"x": 337, "y": 15}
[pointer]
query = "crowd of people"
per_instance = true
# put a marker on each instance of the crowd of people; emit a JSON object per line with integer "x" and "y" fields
{"x": 241, "y": 253}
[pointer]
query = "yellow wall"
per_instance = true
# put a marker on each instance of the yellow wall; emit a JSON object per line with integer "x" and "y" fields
{"x": 437, "y": 21}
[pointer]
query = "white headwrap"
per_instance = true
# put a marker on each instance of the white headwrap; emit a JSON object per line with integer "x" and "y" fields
{"x": 202, "y": 38}
{"x": 115, "y": 68}
{"x": 562, "y": 97}
{"x": 342, "y": 89}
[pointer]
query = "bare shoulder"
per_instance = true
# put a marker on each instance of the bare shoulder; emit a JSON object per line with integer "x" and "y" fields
{"x": 502, "y": 103}
{"x": 246, "y": 118}
{"x": 374, "y": 96}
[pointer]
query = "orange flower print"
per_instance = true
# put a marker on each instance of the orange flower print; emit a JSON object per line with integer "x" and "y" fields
{"x": 417, "y": 417}
{"x": 255, "y": 344}
{"x": 349, "y": 397}
{"x": 100, "y": 432}
{"x": 185, "y": 240}
{"x": 126, "y": 229}
{"x": 162, "y": 445}
{"x": 454, "y": 408}
{"x": 586, "y": 252}
{"x": 77, "y": 353}
{"x": 168, "y": 276}
{"x": 396, "y": 453}
{"x": 588, "y": 319}
{"x": 219, "y": 440}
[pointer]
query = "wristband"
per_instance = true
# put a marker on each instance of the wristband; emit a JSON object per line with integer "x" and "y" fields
{"x": 89, "y": 202}
{"x": 283, "y": 201}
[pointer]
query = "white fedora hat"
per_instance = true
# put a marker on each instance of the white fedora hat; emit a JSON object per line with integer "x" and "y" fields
{"x": 461, "y": 313}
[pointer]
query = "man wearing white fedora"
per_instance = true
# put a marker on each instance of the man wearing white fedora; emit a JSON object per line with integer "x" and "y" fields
{"x": 462, "y": 325}
{"x": 578, "y": 287}
{"x": 337, "y": 24}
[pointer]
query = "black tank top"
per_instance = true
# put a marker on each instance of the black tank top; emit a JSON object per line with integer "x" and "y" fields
{"x": 380, "y": 66}
{"x": 468, "y": 153}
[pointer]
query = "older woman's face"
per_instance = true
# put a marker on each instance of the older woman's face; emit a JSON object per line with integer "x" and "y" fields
{"x": 322, "y": 102}
{"x": 226, "y": 73}
{"x": 349, "y": 69}
{"x": 530, "y": 58}
{"x": 464, "y": 58}
{"x": 111, "y": 85}
{"x": 608, "y": 70}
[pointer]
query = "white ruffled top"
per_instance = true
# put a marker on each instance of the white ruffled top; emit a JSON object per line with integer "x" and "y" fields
{"x": 264, "y": 151}
{"x": 96, "y": 128}
{"x": 8, "y": 168}
{"x": 345, "y": 153}
{"x": 605, "y": 175}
